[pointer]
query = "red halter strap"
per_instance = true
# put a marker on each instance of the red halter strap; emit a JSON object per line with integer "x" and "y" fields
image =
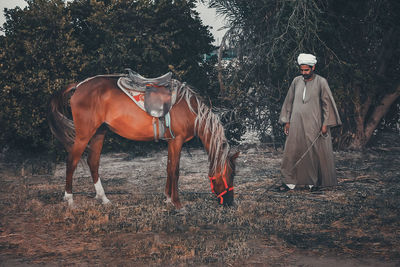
{"x": 227, "y": 188}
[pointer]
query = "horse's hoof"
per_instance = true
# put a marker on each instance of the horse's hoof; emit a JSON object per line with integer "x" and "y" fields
{"x": 168, "y": 200}
{"x": 178, "y": 206}
{"x": 106, "y": 202}
{"x": 72, "y": 205}
{"x": 181, "y": 211}
{"x": 68, "y": 198}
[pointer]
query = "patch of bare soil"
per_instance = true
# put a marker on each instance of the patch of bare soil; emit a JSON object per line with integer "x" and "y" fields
{"x": 356, "y": 223}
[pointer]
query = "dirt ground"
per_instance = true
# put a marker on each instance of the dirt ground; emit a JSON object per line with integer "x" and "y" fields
{"x": 356, "y": 223}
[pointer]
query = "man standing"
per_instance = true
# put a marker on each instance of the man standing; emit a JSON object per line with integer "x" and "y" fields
{"x": 308, "y": 112}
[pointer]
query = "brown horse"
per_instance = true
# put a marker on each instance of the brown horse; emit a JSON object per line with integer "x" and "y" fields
{"x": 98, "y": 101}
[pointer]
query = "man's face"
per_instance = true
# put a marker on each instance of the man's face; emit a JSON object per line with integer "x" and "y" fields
{"x": 306, "y": 71}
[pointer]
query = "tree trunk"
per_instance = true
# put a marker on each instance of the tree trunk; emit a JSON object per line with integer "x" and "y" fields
{"x": 220, "y": 68}
{"x": 364, "y": 130}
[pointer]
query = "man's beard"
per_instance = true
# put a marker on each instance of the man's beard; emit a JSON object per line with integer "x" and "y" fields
{"x": 307, "y": 76}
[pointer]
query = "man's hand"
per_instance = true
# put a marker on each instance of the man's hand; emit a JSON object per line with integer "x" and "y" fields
{"x": 286, "y": 129}
{"x": 324, "y": 129}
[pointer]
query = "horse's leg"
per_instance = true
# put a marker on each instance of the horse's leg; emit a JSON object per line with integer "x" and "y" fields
{"x": 167, "y": 191}
{"x": 74, "y": 155}
{"x": 95, "y": 146}
{"x": 168, "y": 184}
{"x": 174, "y": 154}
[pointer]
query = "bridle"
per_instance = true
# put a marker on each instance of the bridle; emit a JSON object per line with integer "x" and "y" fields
{"x": 227, "y": 188}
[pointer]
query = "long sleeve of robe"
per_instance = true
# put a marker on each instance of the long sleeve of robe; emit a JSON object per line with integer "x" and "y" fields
{"x": 306, "y": 117}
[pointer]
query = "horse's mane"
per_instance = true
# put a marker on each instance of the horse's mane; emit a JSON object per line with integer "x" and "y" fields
{"x": 207, "y": 124}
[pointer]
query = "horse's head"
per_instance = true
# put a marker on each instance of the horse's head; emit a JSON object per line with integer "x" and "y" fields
{"x": 222, "y": 181}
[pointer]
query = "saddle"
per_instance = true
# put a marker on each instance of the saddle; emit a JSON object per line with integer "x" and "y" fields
{"x": 157, "y": 91}
{"x": 140, "y": 83}
{"x": 153, "y": 95}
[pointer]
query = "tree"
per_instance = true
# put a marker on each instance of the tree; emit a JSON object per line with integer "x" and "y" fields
{"x": 38, "y": 56}
{"x": 366, "y": 38}
{"x": 354, "y": 41}
{"x": 152, "y": 37}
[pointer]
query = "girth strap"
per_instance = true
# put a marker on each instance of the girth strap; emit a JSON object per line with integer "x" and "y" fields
{"x": 159, "y": 123}
{"x": 168, "y": 124}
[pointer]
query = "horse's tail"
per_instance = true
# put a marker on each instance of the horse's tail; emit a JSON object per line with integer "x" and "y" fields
{"x": 61, "y": 127}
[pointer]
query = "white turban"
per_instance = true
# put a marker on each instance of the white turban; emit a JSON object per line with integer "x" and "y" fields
{"x": 307, "y": 59}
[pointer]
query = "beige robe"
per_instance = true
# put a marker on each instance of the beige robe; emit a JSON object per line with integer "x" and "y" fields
{"x": 306, "y": 118}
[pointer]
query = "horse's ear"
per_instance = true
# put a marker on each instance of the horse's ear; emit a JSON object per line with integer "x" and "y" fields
{"x": 235, "y": 155}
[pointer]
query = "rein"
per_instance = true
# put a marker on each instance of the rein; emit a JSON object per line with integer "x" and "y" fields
{"x": 227, "y": 188}
{"x": 305, "y": 153}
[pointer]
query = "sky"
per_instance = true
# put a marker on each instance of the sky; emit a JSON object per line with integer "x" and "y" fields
{"x": 207, "y": 15}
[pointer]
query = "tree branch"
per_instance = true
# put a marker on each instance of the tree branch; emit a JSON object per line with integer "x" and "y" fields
{"x": 220, "y": 69}
{"x": 380, "y": 111}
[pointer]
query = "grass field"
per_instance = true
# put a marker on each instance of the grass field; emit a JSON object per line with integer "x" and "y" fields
{"x": 356, "y": 223}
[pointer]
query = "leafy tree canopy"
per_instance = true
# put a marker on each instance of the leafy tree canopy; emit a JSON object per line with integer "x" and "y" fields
{"x": 356, "y": 43}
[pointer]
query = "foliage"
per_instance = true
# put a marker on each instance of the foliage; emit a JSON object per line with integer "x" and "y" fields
{"x": 50, "y": 43}
{"x": 355, "y": 43}
{"x": 365, "y": 37}
{"x": 38, "y": 56}
{"x": 152, "y": 38}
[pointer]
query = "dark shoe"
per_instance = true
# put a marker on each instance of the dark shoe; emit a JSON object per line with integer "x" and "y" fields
{"x": 315, "y": 189}
{"x": 282, "y": 188}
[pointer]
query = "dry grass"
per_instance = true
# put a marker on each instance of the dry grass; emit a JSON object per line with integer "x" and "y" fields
{"x": 357, "y": 222}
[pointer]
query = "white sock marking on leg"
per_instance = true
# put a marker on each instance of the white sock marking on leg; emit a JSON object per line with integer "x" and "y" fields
{"x": 100, "y": 192}
{"x": 68, "y": 197}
